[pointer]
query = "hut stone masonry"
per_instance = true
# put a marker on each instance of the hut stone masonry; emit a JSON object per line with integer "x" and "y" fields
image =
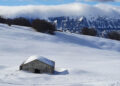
{"x": 38, "y": 64}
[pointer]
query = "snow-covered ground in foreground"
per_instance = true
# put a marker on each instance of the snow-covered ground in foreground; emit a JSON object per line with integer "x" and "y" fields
{"x": 80, "y": 60}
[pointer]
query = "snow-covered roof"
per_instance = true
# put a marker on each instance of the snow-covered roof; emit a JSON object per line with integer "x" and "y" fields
{"x": 40, "y": 58}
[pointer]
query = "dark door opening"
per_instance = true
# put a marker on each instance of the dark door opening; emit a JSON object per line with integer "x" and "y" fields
{"x": 20, "y": 67}
{"x": 37, "y": 71}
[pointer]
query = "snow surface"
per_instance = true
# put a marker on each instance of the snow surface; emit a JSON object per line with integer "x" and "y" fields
{"x": 40, "y": 58}
{"x": 80, "y": 60}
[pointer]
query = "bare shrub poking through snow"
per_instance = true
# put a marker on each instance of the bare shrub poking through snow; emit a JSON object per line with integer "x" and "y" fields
{"x": 2, "y": 19}
{"x": 43, "y": 26}
{"x": 89, "y": 31}
{"x": 114, "y": 35}
{"x": 21, "y": 21}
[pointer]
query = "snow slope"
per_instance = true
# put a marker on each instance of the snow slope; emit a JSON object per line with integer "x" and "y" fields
{"x": 80, "y": 60}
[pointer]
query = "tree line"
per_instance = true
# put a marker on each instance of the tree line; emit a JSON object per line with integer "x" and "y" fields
{"x": 115, "y": 35}
{"x": 37, "y": 24}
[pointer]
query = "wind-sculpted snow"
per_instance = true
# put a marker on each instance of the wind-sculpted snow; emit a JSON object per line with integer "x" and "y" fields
{"x": 80, "y": 60}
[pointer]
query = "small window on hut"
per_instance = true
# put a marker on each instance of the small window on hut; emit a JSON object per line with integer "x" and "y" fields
{"x": 37, "y": 71}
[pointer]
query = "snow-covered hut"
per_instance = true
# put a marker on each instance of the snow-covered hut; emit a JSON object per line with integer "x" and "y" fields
{"x": 38, "y": 64}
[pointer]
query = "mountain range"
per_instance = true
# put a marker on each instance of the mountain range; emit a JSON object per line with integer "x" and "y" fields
{"x": 75, "y": 24}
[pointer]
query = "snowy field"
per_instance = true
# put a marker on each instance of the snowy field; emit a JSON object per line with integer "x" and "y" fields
{"x": 80, "y": 60}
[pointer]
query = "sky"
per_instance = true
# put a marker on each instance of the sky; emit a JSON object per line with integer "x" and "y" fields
{"x": 55, "y": 2}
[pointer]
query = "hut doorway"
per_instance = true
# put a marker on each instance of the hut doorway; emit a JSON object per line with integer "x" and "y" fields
{"x": 37, "y": 71}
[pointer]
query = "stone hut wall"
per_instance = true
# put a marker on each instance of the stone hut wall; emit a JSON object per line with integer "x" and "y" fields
{"x": 37, "y": 65}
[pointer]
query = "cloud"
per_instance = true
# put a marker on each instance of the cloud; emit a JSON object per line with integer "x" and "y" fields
{"x": 74, "y": 9}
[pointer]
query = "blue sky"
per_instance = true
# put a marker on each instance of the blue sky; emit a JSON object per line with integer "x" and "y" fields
{"x": 55, "y": 2}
